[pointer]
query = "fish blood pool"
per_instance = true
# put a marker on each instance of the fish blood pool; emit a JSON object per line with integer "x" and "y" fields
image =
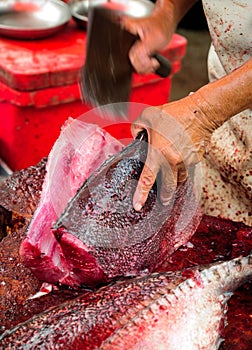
{"x": 93, "y": 236}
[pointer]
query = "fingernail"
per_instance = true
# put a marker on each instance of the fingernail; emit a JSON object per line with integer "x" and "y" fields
{"x": 138, "y": 206}
{"x": 166, "y": 202}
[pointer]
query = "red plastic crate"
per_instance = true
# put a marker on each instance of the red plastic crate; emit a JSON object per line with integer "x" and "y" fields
{"x": 39, "y": 90}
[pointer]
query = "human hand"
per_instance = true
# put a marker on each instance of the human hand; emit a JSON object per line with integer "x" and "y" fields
{"x": 177, "y": 135}
{"x": 154, "y": 33}
{"x": 178, "y": 131}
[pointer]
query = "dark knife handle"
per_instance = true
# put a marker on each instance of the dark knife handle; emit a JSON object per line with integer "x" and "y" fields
{"x": 165, "y": 66}
{"x": 142, "y": 135}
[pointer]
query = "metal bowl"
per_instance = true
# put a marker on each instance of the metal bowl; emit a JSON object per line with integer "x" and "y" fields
{"x": 135, "y": 8}
{"x": 40, "y": 22}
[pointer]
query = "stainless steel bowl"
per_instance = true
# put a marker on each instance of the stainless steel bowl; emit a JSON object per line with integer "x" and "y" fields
{"x": 39, "y": 22}
{"x": 135, "y": 8}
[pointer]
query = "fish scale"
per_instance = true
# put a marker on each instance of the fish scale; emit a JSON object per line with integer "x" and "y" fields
{"x": 158, "y": 311}
{"x": 100, "y": 308}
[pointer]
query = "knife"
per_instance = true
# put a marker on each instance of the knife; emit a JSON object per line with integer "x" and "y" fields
{"x": 106, "y": 77}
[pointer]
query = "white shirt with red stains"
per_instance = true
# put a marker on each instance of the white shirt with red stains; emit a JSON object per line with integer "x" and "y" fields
{"x": 230, "y": 26}
{"x": 227, "y": 179}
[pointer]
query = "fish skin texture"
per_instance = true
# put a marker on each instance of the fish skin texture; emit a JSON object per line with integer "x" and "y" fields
{"x": 19, "y": 196}
{"x": 215, "y": 239}
{"x": 170, "y": 310}
{"x": 118, "y": 241}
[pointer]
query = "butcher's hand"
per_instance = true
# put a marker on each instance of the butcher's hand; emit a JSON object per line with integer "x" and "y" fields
{"x": 179, "y": 131}
{"x": 154, "y": 32}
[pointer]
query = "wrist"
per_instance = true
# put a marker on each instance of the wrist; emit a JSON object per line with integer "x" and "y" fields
{"x": 204, "y": 112}
{"x": 218, "y": 101}
{"x": 174, "y": 10}
{"x": 164, "y": 10}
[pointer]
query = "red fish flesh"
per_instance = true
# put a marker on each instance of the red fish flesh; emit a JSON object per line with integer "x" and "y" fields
{"x": 171, "y": 310}
{"x": 79, "y": 150}
{"x": 100, "y": 236}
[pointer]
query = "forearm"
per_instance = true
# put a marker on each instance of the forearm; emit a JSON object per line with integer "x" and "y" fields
{"x": 224, "y": 98}
{"x": 174, "y": 10}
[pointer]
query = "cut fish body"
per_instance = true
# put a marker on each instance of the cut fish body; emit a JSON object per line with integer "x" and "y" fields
{"x": 79, "y": 150}
{"x": 98, "y": 235}
{"x": 119, "y": 240}
{"x": 181, "y": 310}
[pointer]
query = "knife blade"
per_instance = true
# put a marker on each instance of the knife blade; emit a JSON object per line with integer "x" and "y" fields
{"x": 107, "y": 74}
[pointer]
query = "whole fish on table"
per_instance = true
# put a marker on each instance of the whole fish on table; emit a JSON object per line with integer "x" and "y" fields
{"x": 172, "y": 310}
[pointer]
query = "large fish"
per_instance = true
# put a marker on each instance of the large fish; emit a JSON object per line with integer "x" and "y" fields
{"x": 177, "y": 310}
{"x": 99, "y": 236}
